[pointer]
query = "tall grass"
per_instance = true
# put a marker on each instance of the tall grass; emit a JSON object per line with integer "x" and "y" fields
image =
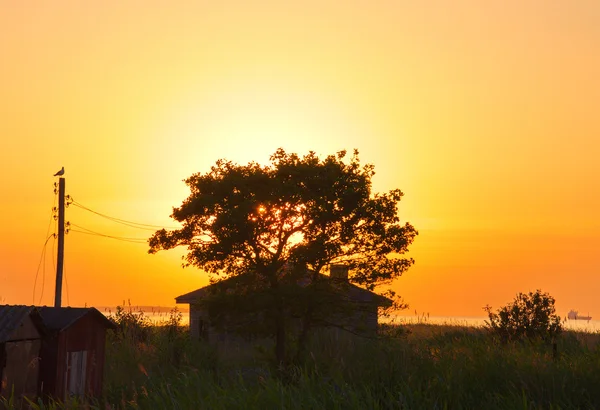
{"x": 414, "y": 367}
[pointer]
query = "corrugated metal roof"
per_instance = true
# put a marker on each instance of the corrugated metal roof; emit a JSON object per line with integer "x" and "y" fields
{"x": 50, "y": 318}
{"x": 57, "y": 319}
{"x": 11, "y": 316}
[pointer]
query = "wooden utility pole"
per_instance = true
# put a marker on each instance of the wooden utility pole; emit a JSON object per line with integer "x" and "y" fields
{"x": 61, "y": 242}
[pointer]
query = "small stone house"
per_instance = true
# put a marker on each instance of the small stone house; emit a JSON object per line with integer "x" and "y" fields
{"x": 21, "y": 332}
{"x": 363, "y": 319}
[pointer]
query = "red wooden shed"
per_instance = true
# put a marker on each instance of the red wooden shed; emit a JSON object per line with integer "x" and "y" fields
{"x": 72, "y": 354}
{"x": 21, "y": 332}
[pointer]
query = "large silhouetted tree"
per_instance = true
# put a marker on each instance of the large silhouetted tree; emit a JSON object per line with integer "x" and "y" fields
{"x": 250, "y": 223}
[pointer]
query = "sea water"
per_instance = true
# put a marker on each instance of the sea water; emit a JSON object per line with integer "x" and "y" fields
{"x": 162, "y": 314}
{"x": 479, "y": 321}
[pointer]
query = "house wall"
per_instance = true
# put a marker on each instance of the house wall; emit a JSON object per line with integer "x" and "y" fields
{"x": 199, "y": 325}
{"x": 363, "y": 321}
{"x": 195, "y": 317}
{"x": 200, "y": 329}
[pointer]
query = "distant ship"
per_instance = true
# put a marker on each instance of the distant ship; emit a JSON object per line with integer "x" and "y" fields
{"x": 574, "y": 315}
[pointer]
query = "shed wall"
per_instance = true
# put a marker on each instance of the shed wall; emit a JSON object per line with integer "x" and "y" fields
{"x": 21, "y": 369}
{"x": 26, "y": 331}
{"x": 79, "y": 348}
{"x": 19, "y": 360}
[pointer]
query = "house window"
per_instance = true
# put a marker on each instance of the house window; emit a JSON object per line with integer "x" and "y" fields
{"x": 202, "y": 330}
{"x": 76, "y": 373}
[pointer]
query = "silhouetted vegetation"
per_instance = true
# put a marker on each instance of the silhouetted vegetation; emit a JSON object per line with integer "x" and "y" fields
{"x": 530, "y": 316}
{"x": 408, "y": 367}
{"x": 277, "y": 228}
{"x": 422, "y": 366}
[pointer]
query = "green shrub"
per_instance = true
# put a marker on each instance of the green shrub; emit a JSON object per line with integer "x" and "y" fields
{"x": 530, "y": 316}
{"x": 132, "y": 325}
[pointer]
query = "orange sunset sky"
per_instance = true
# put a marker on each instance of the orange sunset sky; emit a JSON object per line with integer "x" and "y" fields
{"x": 486, "y": 115}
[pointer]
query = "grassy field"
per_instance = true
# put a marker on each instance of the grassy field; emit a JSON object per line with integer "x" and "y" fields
{"x": 419, "y": 366}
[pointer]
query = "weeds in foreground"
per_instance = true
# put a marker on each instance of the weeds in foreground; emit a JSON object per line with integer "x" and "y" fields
{"x": 413, "y": 368}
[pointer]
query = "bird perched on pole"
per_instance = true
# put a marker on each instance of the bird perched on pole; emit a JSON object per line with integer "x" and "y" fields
{"x": 60, "y": 173}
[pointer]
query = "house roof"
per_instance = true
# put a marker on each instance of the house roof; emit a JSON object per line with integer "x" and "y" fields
{"x": 57, "y": 319}
{"x": 197, "y": 294}
{"x": 355, "y": 293}
{"x": 11, "y": 317}
{"x": 363, "y": 295}
{"x": 192, "y": 296}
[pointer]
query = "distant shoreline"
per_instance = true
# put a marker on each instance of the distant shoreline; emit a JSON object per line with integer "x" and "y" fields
{"x": 479, "y": 321}
{"x": 143, "y": 308}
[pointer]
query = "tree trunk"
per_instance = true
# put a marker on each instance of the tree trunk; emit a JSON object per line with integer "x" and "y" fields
{"x": 313, "y": 299}
{"x": 280, "y": 339}
{"x": 303, "y": 336}
{"x": 279, "y": 322}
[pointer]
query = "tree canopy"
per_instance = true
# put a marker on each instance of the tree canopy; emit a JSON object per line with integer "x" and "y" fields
{"x": 304, "y": 211}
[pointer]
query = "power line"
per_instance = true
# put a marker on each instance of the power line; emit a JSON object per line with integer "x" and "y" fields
{"x": 86, "y": 231}
{"x": 53, "y": 261}
{"x": 131, "y": 224}
{"x": 121, "y": 238}
{"x": 107, "y": 236}
{"x": 42, "y": 257}
{"x": 43, "y": 277}
{"x": 43, "y": 254}
{"x": 111, "y": 236}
